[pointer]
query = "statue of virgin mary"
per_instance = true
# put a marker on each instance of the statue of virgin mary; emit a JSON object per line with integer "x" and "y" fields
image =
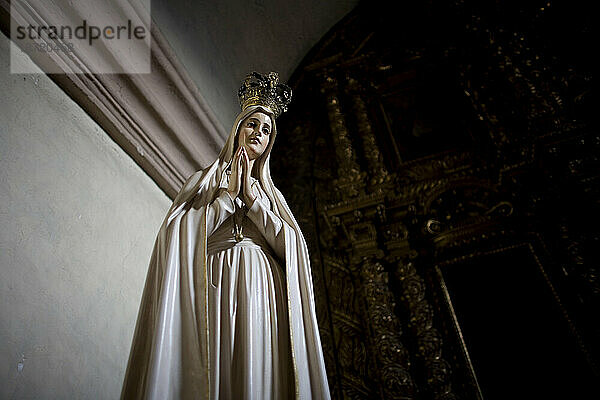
{"x": 228, "y": 310}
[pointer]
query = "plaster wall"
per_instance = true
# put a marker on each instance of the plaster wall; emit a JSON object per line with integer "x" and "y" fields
{"x": 220, "y": 42}
{"x": 78, "y": 221}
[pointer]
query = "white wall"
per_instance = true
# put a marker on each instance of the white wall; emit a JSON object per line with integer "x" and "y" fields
{"x": 220, "y": 42}
{"x": 78, "y": 219}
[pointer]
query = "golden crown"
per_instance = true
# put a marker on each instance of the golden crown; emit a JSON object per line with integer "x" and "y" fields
{"x": 265, "y": 90}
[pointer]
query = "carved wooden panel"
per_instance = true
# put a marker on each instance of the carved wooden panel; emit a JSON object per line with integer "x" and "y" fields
{"x": 433, "y": 138}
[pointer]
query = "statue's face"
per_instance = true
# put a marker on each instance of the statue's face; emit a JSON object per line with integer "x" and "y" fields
{"x": 255, "y": 132}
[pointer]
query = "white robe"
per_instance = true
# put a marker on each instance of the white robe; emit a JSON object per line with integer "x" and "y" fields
{"x": 247, "y": 308}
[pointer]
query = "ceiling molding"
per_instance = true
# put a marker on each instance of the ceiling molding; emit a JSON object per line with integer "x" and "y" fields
{"x": 159, "y": 118}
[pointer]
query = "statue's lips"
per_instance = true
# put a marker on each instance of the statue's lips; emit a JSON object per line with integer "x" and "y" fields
{"x": 255, "y": 140}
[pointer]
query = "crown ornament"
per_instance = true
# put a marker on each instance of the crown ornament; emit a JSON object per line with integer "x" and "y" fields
{"x": 265, "y": 90}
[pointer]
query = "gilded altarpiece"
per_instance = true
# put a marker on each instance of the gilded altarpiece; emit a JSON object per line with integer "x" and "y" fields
{"x": 444, "y": 170}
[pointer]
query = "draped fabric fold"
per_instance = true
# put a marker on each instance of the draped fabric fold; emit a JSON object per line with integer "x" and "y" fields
{"x": 170, "y": 355}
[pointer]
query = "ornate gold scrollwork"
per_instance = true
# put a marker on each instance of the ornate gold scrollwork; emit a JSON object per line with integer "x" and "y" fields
{"x": 350, "y": 181}
{"x": 391, "y": 356}
{"x": 429, "y": 340}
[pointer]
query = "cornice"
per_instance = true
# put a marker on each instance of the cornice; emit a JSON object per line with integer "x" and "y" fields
{"x": 159, "y": 118}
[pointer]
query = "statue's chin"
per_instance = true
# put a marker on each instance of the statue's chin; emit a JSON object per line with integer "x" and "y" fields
{"x": 252, "y": 153}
